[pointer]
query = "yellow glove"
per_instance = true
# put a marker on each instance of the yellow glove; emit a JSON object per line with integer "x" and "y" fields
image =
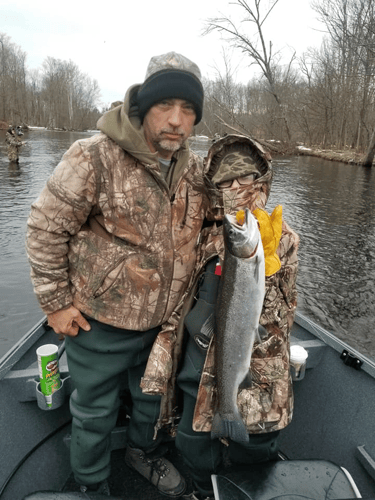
{"x": 270, "y": 231}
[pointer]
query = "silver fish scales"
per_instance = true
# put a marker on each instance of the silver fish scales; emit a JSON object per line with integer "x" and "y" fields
{"x": 238, "y": 309}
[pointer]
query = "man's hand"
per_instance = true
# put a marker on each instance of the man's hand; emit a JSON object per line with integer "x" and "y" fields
{"x": 68, "y": 321}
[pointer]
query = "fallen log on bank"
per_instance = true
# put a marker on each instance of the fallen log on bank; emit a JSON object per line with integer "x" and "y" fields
{"x": 346, "y": 156}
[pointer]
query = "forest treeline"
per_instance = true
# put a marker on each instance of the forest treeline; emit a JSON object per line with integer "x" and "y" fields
{"x": 58, "y": 95}
{"x": 323, "y": 97}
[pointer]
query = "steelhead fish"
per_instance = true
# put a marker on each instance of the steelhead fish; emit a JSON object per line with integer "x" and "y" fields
{"x": 237, "y": 313}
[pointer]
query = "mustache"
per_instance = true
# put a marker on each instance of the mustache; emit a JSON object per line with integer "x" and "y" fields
{"x": 176, "y": 131}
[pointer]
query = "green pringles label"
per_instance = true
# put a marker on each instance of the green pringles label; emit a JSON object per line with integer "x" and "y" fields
{"x": 49, "y": 374}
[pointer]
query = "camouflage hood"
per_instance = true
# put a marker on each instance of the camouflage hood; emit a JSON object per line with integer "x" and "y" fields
{"x": 234, "y": 157}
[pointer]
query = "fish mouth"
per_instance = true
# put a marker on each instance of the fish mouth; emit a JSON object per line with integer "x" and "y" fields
{"x": 242, "y": 239}
{"x": 234, "y": 222}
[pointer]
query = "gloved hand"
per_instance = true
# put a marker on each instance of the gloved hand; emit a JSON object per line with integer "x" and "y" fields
{"x": 270, "y": 231}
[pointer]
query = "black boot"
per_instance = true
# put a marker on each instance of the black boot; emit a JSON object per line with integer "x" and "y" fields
{"x": 160, "y": 472}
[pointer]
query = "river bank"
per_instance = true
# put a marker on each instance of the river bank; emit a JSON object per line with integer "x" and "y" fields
{"x": 280, "y": 149}
{"x": 344, "y": 156}
{"x": 26, "y": 128}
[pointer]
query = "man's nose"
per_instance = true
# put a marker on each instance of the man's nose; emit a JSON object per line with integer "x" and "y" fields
{"x": 175, "y": 116}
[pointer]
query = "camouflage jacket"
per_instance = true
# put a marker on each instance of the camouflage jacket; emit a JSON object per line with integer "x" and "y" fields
{"x": 14, "y": 144}
{"x": 268, "y": 405}
{"x": 108, "y": 234}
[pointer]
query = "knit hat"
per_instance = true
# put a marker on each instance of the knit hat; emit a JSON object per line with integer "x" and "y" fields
{"x": 171, "y": 76}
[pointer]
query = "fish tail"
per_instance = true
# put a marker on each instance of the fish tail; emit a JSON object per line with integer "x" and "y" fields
{"x": 232, "y": 428}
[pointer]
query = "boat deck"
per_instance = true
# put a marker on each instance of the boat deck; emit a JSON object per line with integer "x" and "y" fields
{"x": 333, "y": 417}
{"x": 128, "y": 484}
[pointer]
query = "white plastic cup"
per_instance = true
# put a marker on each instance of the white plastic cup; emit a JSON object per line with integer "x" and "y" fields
{"x": 298, "y": 356}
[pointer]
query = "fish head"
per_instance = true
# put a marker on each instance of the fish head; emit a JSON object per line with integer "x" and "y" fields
{"x": 241, "y": 240}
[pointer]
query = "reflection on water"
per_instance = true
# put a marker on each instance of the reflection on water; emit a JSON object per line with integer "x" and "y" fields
{"x": 19, "y": 187}
{"x": 330, "y": 205}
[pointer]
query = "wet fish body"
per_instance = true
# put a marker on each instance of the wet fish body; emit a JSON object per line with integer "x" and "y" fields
{"x": 238, "y": 309}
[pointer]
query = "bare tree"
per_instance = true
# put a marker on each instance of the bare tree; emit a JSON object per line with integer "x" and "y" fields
{"x": 253, "y": 45}
{"x": 350, "y": 25}
{"x": 71, "y": 96}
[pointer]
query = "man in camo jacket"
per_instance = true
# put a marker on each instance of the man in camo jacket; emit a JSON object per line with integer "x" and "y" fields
{"x": 112, "y": 244}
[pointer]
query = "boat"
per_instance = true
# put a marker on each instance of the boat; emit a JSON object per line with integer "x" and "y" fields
{"x": 329, "y": 445}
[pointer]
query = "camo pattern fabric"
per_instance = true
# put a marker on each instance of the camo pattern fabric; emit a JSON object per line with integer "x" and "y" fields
{"x": 232, "y": 157}
{"x": 236, "y": 156}
{"x": 14, "y": 145}
{"x": 105, "y": 236}
{"x": 268, "y": 405}
{"x": 161, "y": 370}
{"x": 234, "y": 165}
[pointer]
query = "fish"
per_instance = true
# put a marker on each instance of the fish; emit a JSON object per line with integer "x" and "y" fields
{"x": 237, "y": 312}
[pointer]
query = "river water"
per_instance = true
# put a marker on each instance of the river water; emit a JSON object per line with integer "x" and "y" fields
{"x": 331, "y": 205}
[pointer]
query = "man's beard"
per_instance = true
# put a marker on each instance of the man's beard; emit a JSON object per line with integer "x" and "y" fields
{"x": 171, "y": 145}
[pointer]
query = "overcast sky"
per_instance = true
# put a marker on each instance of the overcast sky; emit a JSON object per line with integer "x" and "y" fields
{"x": 112, "y": 41}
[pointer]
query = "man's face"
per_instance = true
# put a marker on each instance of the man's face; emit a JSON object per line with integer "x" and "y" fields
{"x": 167, "y": 125}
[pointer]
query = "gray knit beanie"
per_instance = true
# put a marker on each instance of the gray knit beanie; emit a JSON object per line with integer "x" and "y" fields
{"x": 171, "y": 76}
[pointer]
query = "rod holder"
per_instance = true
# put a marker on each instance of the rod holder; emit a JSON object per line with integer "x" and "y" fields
{"x": 58, "y": 397}
{"x": 300, "y": 375}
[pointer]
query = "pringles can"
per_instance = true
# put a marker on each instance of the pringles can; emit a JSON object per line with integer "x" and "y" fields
{"x": 49, "y": 374}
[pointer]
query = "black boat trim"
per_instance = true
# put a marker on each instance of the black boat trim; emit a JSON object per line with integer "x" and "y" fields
{"x": 338, "y": 345}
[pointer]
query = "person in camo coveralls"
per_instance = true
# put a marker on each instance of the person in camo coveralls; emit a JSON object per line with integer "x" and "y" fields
{"x": 112, "y": 243}
{"x": 12, "y": 138}
{"x": 239, "y": 173}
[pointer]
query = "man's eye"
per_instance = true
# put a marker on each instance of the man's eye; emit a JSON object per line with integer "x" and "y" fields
{"x": 189, "y": 108}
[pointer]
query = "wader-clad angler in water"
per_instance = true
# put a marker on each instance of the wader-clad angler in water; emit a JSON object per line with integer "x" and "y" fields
{"x": 112, "y": 242}
{"x": 13, "y": 139}
{"x": 239, "y": 176}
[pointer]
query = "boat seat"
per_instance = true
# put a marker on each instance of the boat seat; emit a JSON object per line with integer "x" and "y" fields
{"x": 286, "y": 480}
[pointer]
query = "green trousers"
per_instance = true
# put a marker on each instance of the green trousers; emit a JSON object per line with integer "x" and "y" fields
{"x": 202, "y": 454}
{"x": 96, "y": 361}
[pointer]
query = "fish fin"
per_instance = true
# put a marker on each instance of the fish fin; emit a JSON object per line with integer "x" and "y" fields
{"x": 232, "y": 428}
{"x": 247, "y": 381}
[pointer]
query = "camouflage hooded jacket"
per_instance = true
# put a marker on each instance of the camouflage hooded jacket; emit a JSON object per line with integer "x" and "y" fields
{"x": 268, "y": 405}
{"x": 109, "y": 234}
